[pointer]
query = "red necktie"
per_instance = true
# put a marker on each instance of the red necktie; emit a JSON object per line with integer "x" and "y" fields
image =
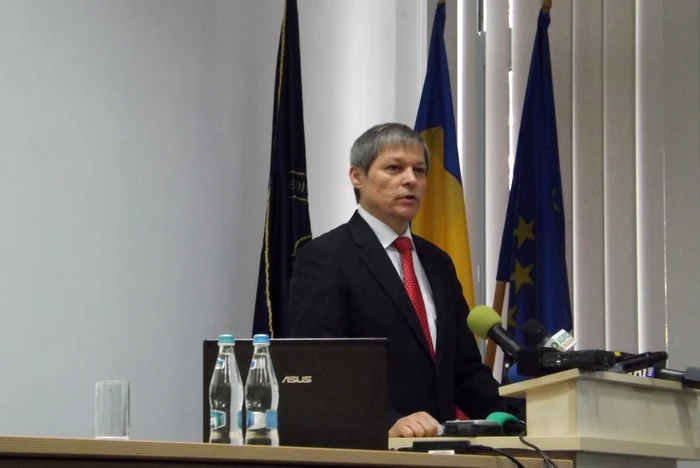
{"x": 403, "y": 245}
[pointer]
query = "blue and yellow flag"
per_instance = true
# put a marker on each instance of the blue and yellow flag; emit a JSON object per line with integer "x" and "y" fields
{"x": 287, "y": 225}
{"x": 443, "y": 218}
{"x": 533, "y": 252}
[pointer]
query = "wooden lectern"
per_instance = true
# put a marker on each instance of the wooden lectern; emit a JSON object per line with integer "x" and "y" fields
{"x": 603, "y": 419}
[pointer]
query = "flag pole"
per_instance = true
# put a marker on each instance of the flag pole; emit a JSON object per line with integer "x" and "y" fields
{"x": 498, "y": 298}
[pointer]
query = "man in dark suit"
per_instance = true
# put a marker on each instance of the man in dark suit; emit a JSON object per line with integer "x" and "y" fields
{"x": 372, "y": 278}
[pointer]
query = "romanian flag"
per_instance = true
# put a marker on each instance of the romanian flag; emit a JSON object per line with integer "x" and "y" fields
{"x": 443, "y": 218}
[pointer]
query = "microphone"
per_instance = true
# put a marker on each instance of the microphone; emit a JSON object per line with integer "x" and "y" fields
{"x": 510, "y": 424}
{"x": 639, "y": 362}
{"x": 485, "y": 323}
{"x": 514, "y": 376}
{"x": 689, "y": 378}
{"x": 537, "y": 336}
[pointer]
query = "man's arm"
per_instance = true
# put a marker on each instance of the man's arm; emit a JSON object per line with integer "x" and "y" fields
{"x": 318, "y": 296}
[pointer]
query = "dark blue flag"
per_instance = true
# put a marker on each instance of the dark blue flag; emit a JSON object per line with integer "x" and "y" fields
{"x": 287, "y": 225}
{"x": 533, "y": 252}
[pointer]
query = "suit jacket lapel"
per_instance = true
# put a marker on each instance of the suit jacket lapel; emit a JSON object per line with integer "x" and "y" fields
{"x": 377, "y": 261}
{"x": 437, "y": 287}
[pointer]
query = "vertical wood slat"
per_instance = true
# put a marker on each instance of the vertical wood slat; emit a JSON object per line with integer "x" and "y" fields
{"x": 497, "y": 145}
{"x": 682, "y": 177}
{"x": 588, "y": 232}
{"x": 651, "y": 274}
{"x": 561, "y": 34}
{"x": 470, "y": 108}
{"x": 619, "y": 177}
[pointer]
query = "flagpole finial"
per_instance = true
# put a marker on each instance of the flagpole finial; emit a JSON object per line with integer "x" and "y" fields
{"x": 546, "y": 6}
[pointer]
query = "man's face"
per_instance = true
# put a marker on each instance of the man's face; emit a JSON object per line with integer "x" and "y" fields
{"x": 392, "y": 188}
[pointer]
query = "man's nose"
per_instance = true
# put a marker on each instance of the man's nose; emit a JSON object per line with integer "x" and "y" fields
{"x": 409, "y": 176}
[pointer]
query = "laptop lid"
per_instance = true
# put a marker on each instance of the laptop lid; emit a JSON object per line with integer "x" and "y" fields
{"x": 333, "y": 392}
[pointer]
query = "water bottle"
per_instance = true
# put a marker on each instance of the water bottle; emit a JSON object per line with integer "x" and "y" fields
{"x": 226, "y": 397}
{"x": 261, "y": 396}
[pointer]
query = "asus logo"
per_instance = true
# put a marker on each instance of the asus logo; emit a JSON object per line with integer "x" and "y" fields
{"x": 297, "y": 379}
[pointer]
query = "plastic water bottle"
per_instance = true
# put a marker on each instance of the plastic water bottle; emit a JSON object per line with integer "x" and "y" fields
{"x": 226, "y": 397}
{"x": 261, "y": 396}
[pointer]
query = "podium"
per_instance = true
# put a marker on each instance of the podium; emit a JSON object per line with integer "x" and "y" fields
{"x": 603, "y": 419}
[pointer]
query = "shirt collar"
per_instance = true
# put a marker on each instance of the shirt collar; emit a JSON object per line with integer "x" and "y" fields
{"x": 384, "y": 233}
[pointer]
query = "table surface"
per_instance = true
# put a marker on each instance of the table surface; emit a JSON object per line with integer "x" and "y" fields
{"x": 75, "y": 448}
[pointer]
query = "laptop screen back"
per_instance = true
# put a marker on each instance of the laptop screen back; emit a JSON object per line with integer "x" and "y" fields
{"x": 333, "y": 392}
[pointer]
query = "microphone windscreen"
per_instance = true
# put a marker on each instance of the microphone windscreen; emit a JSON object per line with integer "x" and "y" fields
{"x": 514, "y": 376}
{"x": 481, "y": 320}
{"x": 534, "y": 333}
{"x": 510, "y": 424}
{"x": 501, "y": 418}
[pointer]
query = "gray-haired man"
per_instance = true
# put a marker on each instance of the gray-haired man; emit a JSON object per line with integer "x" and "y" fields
{"x": 371, "y": 277}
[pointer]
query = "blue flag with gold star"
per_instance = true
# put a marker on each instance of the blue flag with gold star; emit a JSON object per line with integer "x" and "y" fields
{"x": 533, "y": 251}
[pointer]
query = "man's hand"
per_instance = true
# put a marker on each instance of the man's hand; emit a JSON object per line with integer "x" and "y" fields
{"x": 415, "y": 425}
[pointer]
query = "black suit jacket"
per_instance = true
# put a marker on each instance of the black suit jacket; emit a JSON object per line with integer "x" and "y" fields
{"x": 344, "y": 285}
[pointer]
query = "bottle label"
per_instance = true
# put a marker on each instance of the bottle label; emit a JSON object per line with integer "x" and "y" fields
{"x": 219, "y": 364}
{"x": 271, "y": 419}
{"x": 260, "y": 420}
{"x": 217, "y": 419}
{"x": 257, "y": 363}
{"x": 255, "y": 420}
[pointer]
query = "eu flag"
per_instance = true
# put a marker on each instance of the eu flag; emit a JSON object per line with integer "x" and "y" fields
{"x": 533, "y": 252}
{"x": 442, "y": 218}
{"x": 287, "y": 225}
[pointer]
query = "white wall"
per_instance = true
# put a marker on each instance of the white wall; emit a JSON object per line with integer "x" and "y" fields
{"x": 134, "y": 154}
{"x": 361, "y": 67}
{"x": 134, "y": 137}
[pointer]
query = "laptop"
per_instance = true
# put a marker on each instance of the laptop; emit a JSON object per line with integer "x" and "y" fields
{"x": 333, "y": 391}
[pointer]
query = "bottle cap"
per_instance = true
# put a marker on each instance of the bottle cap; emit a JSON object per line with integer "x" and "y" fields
{"x": 226, "y": 339}
{"x": 261, "y": 339}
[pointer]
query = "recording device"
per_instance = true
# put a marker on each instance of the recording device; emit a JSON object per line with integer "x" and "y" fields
{"x": 639, "y": 361}
{"x": 495, "y": 424}
{"x": 472, "y": 428}
{"x": 537, "y": 336}
{"x": 485, "y": 323}
{"x": 536, "y": 362}
{"x": 457, "y": 447}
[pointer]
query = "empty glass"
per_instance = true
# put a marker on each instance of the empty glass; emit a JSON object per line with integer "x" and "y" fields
{"x": 112, "y": 410}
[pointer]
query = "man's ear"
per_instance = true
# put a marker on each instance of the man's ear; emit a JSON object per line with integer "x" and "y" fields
{"x": 357, "y": 177}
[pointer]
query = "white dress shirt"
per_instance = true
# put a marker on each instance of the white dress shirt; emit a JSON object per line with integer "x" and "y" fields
{"x": 386, "y": 237}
